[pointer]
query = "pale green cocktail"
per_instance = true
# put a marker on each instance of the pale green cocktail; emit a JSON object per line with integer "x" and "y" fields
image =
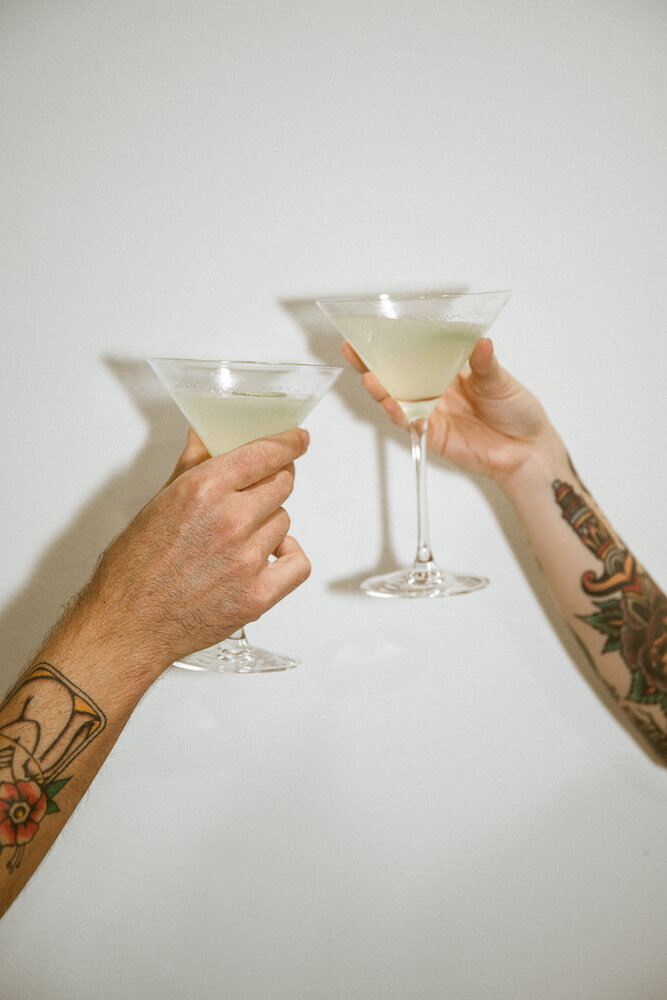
{"x": 415, "y": 359}
{"x": 416, "y": 345}
{"x": 226, "y": 420}
{"x": 230, "y": 403}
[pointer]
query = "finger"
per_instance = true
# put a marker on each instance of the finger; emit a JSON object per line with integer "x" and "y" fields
{"x": 395, "y": 411}
{"x": 194, "y": 453}
{"x": 290, "y": 569}
{"x": 260, "y": 459}
{"x": 270, "y": 535}
{"x": 269, "y": 494}
{"x": 389, "y": 404}
{"x": 351, "y": 355}
{"x": 374, "y": 387}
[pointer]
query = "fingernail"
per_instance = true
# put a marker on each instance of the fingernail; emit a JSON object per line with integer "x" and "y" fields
{"x": 306, "y": 436}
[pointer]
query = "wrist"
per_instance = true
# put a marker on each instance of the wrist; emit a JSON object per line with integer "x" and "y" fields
{"x": 103, "y": 655}
{"x": 544, "y": 461}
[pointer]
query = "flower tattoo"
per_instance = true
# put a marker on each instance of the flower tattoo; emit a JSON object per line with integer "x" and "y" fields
{"x": 45, "y": 722}
{"x": 23, "y": 806}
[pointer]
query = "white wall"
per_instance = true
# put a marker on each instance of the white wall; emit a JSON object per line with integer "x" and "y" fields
{"x": 436, "y": 804}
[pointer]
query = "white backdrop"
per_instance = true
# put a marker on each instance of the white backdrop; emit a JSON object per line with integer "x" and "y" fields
{"x": 436, "y": 803}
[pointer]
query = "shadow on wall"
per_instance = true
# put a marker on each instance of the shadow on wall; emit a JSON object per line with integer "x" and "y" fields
{"x": 68, "y": 562}
{"x": 324, "y": 341}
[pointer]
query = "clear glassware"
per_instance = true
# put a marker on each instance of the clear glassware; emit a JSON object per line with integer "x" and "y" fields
{"x": 416, "y": 345}
{"x": 229, "y": 403}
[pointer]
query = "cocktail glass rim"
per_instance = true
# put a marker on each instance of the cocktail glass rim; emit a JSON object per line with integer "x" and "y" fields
{"x": 274, "y": 365}
{"x": 408, "y": 296}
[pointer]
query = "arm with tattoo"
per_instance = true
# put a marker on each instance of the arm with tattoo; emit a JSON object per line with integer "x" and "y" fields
{"x": 630, "y": 615}
{"x": 616, "y": 611}
{"x": 45, "y": 722}
{"x": 212, "y": 529}
{"x": 489, "y": 424}
{"x": 53, "y": 739}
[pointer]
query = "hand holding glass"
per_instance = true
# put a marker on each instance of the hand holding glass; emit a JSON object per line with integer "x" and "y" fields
{"x": 416, "y": 346}
{"x": 229, "y": 403}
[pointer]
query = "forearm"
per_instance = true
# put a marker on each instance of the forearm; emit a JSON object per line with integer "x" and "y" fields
{"x": 57, "y": 726}
{"x": 616, "y": 611}
{"x": 191, "y": 568}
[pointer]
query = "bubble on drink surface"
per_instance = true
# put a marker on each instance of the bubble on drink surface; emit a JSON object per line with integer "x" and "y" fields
{"x": 272, "y": 393}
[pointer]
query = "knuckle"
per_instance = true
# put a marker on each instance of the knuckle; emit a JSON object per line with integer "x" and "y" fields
{"x": 200, "y": 490}
{"x": 304, "y": 568}
{"x": 252, "y": 460}
{"x": 285, "y": 520}
{"x": 234, "y": 527}
{"x": 267, "y": 451}
{"x": 255, "y": 555}
{"x": 287, "y": 479}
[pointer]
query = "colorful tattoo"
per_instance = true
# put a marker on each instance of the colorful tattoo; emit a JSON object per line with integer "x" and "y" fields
{"x": 631, "y": 611}
{"x": 45, "y": 722}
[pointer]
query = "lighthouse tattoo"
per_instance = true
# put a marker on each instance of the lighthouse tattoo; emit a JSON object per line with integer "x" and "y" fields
{"x": 630, "y": 612}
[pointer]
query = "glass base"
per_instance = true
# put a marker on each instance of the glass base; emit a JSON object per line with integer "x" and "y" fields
{"x": 236, "y": 657}
{"x": 427, "y": 581}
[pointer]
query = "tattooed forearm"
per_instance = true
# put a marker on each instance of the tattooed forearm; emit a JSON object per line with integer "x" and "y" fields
{"x": 45, "y": 722}
{"x": 630, "y": 612}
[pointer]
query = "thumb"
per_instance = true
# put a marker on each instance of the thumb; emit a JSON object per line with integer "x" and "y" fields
{"x": 483, "y": 361}
{"x": 487, "y": 378}
{"x": 194, "y": 453}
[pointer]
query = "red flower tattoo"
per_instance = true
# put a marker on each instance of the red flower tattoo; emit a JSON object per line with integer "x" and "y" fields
{"x": 22, "y": 808}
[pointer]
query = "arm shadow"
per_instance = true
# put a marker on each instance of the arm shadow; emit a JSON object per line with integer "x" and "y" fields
{"x": 325, "y": 344}
{"x": 69, "y": 560}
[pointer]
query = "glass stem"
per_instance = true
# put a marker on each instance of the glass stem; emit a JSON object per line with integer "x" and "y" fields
{"x": 418, "y": 432}
{"x": 234, "y": 648}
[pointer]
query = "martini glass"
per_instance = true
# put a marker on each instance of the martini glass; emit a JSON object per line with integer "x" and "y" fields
{"x": 229, "y": 403}
{"x": 416, "y": 346}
